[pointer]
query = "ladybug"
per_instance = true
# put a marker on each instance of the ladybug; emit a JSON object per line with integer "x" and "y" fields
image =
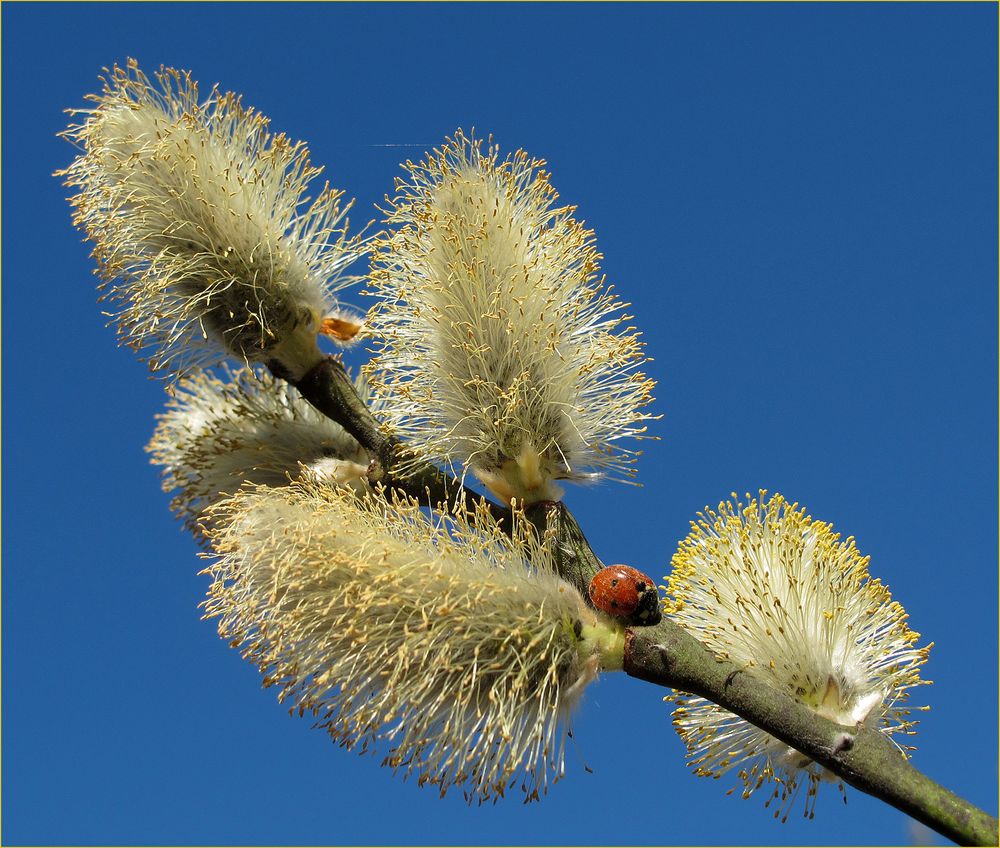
{"x": 625, "y": 592}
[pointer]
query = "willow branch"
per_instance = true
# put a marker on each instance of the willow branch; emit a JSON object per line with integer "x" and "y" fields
{"x": 665, "y": 654}
{"x": 864, "y": 757}
{"x": 330, "y": 390}
{"x": 573, "y": 557}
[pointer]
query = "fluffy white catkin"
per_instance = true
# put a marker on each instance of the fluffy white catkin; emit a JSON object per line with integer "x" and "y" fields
{"x": 431, "y": 640}
{"x": 219, "y": 433}
{"x": 203, "y": 234}
{"x": 501, "y": 348}
{"x": 767, "y": 586}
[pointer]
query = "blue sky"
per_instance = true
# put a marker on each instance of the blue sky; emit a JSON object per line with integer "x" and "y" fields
{"x": 800, "y": 203}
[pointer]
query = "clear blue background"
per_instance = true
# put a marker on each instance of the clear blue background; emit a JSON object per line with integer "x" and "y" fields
{"x": 800, "y": 202}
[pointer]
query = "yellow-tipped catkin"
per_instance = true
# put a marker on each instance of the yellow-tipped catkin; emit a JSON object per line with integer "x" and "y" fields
{"x": 767, "y": 587}
{"x": 202, "y": 230}
{"x": 501, "y": 348}
{"x": 434, "y": 641}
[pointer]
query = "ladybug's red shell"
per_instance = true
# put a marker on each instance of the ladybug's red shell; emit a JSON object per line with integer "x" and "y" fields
{"x": 625, "y": 592}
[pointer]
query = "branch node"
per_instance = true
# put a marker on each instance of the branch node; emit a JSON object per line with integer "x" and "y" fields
{"x": 843, "y": 742}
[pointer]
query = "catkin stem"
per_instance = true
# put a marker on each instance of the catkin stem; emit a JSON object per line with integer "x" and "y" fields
{"x": 574, "y": 559}
{"x": 329, "y": 389}
{"x": 607, "y": 641}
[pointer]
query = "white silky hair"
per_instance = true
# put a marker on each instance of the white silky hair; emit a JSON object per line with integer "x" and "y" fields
{"x": 769, "y": 588}
{"x": 500, "y": 347}
{"x": 431, "y": 641}
{"x": 246, "y": 426}
{"x": 203, "y": 234}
